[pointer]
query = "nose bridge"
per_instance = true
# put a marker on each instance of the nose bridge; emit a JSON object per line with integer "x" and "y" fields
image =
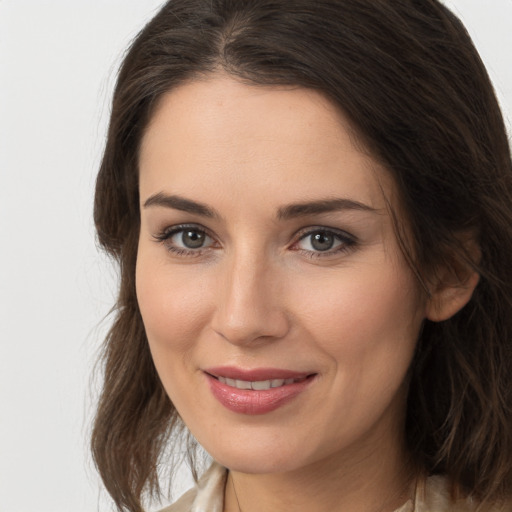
{"x": 249, "y": 305}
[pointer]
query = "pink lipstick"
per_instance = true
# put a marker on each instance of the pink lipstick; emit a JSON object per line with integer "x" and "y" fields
{"x": 256, "y": 391}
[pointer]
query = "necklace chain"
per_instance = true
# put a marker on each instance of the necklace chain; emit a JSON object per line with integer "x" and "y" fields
{"x": 236, "y": 495}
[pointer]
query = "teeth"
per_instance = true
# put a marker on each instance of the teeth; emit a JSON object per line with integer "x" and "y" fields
{"x": 243, "y": 384}
{"x": 259, "y": 385}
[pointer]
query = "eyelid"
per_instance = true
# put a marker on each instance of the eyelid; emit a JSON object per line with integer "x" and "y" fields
{"x": 168, "y": 231}
{"x": 303, "y": 232}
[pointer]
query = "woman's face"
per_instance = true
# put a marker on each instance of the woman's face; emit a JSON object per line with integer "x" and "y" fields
{"x": 267, "y": 260}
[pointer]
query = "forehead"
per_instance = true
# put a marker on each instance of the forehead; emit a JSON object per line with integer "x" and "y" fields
{"x": 283, "y": 144}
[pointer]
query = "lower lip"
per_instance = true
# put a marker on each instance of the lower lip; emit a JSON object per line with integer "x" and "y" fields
{"x": 252, "y": 402}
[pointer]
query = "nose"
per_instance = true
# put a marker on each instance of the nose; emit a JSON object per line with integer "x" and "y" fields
{"x": 250, "y": 306}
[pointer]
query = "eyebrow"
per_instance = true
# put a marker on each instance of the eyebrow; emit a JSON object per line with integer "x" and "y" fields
{"x": 283, "y": 213}
{"x": 322, "y": 206}
{"x": 180, "y": 203}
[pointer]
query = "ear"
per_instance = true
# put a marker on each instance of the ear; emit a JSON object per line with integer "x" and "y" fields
{"x": 453, "y": 286}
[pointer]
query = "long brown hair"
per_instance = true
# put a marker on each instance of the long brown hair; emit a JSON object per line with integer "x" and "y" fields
{"x": 407, "y": 75}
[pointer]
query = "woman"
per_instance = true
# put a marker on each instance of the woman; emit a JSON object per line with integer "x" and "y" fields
{"x": 310, "y": 203}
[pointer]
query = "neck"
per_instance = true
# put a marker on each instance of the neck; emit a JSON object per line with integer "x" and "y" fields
{"x": 377, "y": 479}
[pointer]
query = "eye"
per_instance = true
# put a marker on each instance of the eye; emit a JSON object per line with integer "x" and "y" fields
{"x": 318, "y": 242}
{"x": 190, "y": 238}
{"x": 185, "y": 240}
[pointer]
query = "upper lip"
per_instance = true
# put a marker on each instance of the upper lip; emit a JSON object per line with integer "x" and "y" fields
{"x": 255, "y": 374}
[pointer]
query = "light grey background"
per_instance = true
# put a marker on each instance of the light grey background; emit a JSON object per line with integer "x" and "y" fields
{"x": 57, "y": 68}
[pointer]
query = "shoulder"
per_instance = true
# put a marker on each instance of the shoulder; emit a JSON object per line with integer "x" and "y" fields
{"x": 206, "y": 496}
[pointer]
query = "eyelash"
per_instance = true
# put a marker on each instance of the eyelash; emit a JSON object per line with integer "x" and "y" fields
{"x": 346, "y": 241}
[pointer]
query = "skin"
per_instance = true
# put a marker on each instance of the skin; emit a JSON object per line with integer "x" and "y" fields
{"x": 258, "y": 294}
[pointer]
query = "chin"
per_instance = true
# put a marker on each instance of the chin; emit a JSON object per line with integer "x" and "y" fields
{"x": 259, "y": 454}
{"x": 260, "y": 463}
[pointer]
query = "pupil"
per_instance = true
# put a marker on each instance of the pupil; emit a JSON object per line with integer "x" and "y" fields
{"x": 322, "y": 241}
{"x": 192, "y": 239}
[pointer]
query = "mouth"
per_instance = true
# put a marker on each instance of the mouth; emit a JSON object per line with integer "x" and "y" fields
{"x": 257, "y": 391}
{"x": 257, "y": 385}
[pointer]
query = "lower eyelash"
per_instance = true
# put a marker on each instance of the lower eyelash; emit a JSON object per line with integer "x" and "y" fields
{"x": 182, "y": 252}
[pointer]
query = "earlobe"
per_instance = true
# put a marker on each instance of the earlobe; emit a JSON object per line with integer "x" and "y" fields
{"x": 450, "y": 298}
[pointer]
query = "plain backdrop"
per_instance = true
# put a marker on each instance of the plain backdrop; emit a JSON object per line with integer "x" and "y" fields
{"x": 58, "y": 60}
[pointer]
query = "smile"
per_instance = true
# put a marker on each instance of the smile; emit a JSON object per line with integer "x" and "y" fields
{"x": 258, "y": 385}
{"x": 255, "y": 392}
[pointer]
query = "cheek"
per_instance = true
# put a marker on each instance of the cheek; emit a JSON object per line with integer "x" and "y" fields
{"x": 368, "y": 312}
{"x": 172, "y": 304}
{"x": 173, "y": 308}
{"x": 366, "y": 326}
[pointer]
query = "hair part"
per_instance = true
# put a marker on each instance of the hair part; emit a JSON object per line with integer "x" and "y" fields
{"x": 407, "y": 76}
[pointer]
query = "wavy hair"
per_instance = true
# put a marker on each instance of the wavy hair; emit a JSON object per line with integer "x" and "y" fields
{"x": 408, "y": 77}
